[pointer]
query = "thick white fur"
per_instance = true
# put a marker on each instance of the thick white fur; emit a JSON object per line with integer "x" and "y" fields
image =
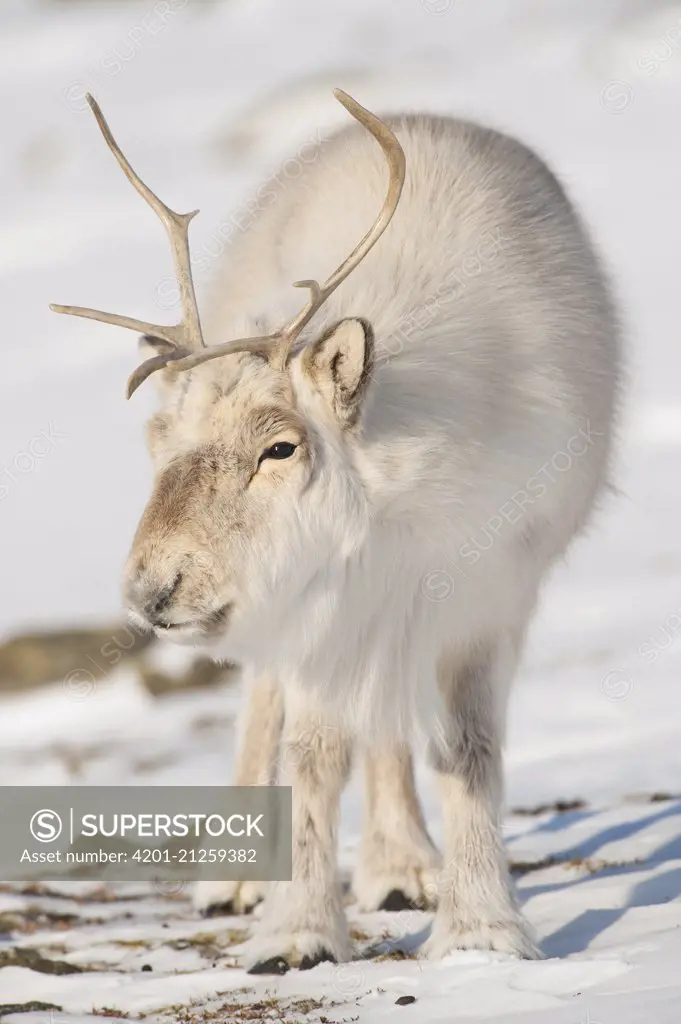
{"x": 396, "y": 854}
{"x": 516, "y": 361}
{"x": 392, "y": 596}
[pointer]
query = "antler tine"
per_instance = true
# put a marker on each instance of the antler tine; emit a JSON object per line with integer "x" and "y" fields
{"x": 186, "y": 335}
{"x": 172, "y": 333}
{"x": 286, "y": 336}
{"x": 395, "y": 157}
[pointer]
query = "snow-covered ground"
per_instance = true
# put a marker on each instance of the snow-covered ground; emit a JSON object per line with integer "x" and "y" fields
{"x": 604, "y": 899}
{"x": 207, "y": 98}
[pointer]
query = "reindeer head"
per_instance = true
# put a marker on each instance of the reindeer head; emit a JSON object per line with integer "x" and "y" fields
{"x": 255, "y": 494}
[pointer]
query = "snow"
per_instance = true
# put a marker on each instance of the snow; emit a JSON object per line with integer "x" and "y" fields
{"x": 207, "y": 98}
{"x": 607, "y": 911}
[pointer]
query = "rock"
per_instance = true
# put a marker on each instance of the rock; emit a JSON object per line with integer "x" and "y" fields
{"x": 33, "y": 917}
{"x": 75, "y": 656}
{"x": 201, "y": 673}
{"x": 7, "y": 1008}
{"x": 79, "y": 658}
{"x": 32, "y": 959}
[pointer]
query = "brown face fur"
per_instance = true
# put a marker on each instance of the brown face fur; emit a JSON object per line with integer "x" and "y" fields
{"x": 223, "y": 493}
{"x": 212, "y": 488}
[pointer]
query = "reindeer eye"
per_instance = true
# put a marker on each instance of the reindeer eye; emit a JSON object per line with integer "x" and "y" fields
{"x": 280, "y": 450}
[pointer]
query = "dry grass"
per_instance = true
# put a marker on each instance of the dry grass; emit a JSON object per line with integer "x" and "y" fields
{"x": 268, "y": 1011}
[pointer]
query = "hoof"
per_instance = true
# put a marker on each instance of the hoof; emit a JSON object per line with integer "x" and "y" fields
{"x": 227, "y": 909}
{"x": 396, "y": 900}
{"x": 308, "y": 962}
{"x": 275, "y": 965}
{"x": 219, "y": 909}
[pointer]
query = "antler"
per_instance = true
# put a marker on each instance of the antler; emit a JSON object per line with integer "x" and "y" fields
{"x": 187, "y": 345}
{"x": 185, "y": 336}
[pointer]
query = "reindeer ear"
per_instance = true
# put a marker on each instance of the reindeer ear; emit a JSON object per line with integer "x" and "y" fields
{"x": 340, "y": 365}
{"x": 150, "y": 346}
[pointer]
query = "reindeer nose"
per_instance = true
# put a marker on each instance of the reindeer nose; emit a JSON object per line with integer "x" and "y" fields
{"x": 151, "y": 600}
{"x": 159, "y": 601}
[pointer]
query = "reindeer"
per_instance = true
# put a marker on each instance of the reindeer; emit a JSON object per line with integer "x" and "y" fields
{"x": 360, "y": 499}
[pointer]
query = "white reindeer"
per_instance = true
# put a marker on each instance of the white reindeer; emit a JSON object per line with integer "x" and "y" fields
{"x": 365, "y": 501}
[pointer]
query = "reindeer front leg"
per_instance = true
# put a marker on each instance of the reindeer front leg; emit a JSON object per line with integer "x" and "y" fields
{"x": 477, "y": 907}
{"x": 303, "y": 921}
{"x": 256, "y": 765}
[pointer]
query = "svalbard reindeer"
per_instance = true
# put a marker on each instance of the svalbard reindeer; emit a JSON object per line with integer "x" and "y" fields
{"x": 366, "y": 499}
